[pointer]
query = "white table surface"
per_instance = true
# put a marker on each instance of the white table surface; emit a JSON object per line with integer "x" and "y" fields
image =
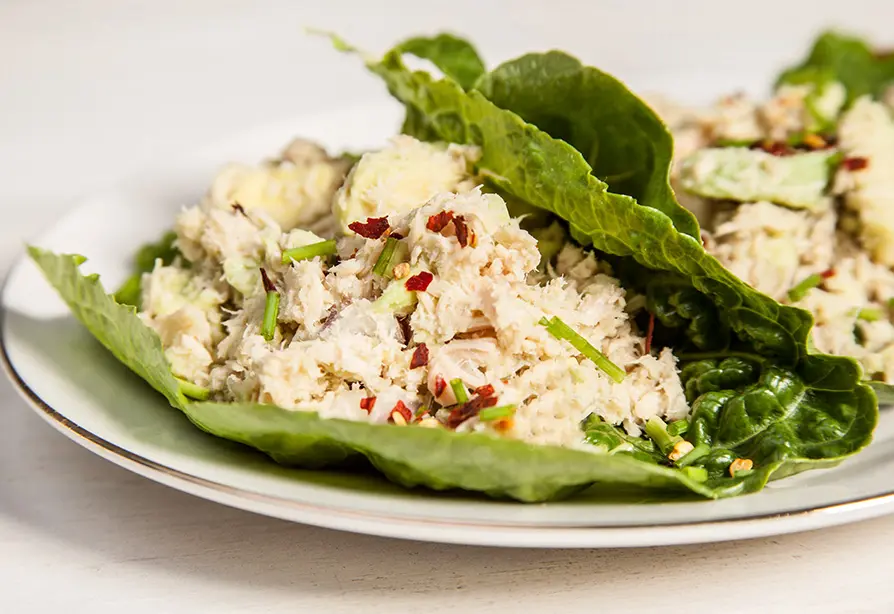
{"x": 91, "y": 90}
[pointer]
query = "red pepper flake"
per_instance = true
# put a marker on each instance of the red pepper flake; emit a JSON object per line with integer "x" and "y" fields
{"x": 649, "y": 333}
{"x": 855, "y": 164}
{"x": 485, "y": 391}
{"x": 828, "y": 273}
{"x": 463, "y": 233}
{"x": 419, "y": 282}
{"x": 439, "y": 221}
{"x": 268, "y": 285}
{"x": 469, "y": 410}
{"x": 403, "y": 411}
{"x": 367, "y": 404}
{"x": 403, "y": 325}
{"x": 440, "y": 386}
{"x": 396, "y": 235}
{"x": 374, "y": 227}
{"x": 420, "y": 356}
{"x": 777, "y": 148}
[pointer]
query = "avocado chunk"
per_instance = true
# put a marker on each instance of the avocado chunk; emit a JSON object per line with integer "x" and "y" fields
{"x": 798, "y": 181}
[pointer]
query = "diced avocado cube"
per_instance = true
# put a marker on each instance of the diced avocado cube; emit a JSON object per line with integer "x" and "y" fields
{"x": 749, "y": 175}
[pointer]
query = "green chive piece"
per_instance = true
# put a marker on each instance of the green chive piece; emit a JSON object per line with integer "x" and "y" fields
{"x": 696, "y": 474}
{"x": 490, "y": 414}
{"x": 656, "y": 429}
{"x": 678, "y": 427}
{"x": 383, "y": 267}
{"x": 694, "y": 454}
{"x": 193, "y": 391}
{"x": 741, "y": 473}
{"x": 271, "y": 313}
{"x": 558, "y": 329}
{"x": 869, "y": 314}
{"x": 801, "y": 289}
{"x": 459, "y": 391}
{"x": 306, "y": 252}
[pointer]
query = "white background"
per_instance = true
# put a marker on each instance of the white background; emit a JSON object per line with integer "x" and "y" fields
{"x": 93, "y": 90}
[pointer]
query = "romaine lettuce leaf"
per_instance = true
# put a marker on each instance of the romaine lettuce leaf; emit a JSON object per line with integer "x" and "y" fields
{"x": 621, "y": 138}
{"x": 442, "y": 459}
{"x": 144, "y": 261}
{"x": 849, "y": 60}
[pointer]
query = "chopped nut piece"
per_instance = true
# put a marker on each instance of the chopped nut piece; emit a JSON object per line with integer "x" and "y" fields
{"x": 740, "y": 464}
{"x": 401, "y": 270}
{"x": 398, "y": 419}
{"x": 814, "y": 141}
{"x": 429, "y": 423}
{"x": 681, "y": 449}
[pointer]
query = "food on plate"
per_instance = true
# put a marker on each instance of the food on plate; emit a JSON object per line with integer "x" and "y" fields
{"x": 505, "y": 298}
{"x": 795, "y": 194}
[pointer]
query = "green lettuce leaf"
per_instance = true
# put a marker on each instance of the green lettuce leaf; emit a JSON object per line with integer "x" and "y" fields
{"x": 771, "y": 409}
{"x": 625, "y": 143}
{"x": 454, "y": 56}
{"x": 114, "y": 325}
{"x": 849, "y": 60}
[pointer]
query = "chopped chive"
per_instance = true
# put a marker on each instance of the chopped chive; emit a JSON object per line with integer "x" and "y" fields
{"x": 382, "y": 266}
{"x": 306, "y": 252}
{"x": 891, "y": 303}
{"x": 801, "y": 289}
{"x": 459, "y": 391}
{"x": 693, "y": 455}
{"x": 656, "y": 429}
{"x": 741, "y": 473}
{"x": 489, "y": 414}
{"x": 271, "y": 308}
{"x": 869, "y": 314}
{"x": 697, "y": 474}
{"x": 193, "y": 391}
{"x": 678, "y": 427}
{"x": 558, "y": 329}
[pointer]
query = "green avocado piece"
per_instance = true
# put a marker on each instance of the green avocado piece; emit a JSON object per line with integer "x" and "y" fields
{"x": 748, "y": 175}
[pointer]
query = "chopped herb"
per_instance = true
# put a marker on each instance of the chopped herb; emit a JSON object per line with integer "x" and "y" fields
{"x": 383, "y": 266}
{"x": 801, "y": 289}
{"x": 459, "y": 391}
{"x": 306, "y": 252}
{"x": 271, "y": 308}
{"x": 697, "y": 474}
{"x": 193, "y": 391}
{"x": 656, "y": 429}
{"x": 693, "y": 455}
{"x": 678, "y": 427}
{"x": 558, "y": 329}
{"x": 869, "y": 314}
{"x": 490, "y": 414}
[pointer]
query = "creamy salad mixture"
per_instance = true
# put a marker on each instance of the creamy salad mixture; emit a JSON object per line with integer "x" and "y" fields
{"x": 795, "y": 195}
{"x": 397, "y": 290}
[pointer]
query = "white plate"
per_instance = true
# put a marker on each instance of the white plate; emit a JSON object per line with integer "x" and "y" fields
{"x": 73, "y": 383}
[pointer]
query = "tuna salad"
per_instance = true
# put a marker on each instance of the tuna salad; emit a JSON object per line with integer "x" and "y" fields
{"x": 795, "y": 193}
{"x": 484, "y": 303}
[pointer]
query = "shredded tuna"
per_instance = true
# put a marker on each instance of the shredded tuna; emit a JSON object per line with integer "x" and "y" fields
{"x": 373, "y": 228}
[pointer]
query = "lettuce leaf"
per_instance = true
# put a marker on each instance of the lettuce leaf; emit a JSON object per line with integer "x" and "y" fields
{"x": 164, "y": 249}
{"x": 625, "y": 143}
{"x": 847, "y": 59}
{"x": 440, "y": 459}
